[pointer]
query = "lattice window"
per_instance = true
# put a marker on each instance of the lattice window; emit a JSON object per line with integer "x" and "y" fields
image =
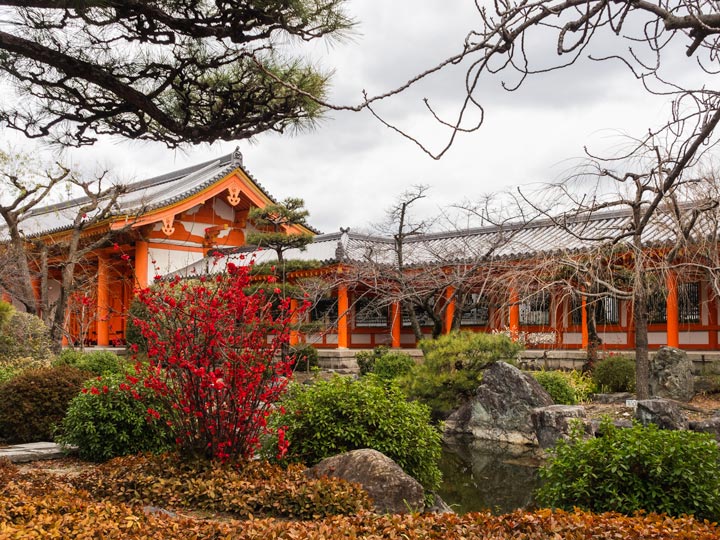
{"x": 689, "y": 302}
{"x": 369, "y": 314}
{"x": 325, "y": 310}
{"x": 657, "y": 308}
{"x": 535, "y": 310}
{"x": 476, "y": 312}
{"x": 422, "y": 317}
{"x": 607, "y": 310}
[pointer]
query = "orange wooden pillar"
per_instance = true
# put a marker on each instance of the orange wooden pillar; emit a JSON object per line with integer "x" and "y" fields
{"x": 343, "y": 307}
{"x": 514, "y": 314}
{"x": 294, "y": 334}
{"x": 103, "y": 302}
{"x": 584, "y": 322}
{"x": 712, "y": 319}
{"x": 395, "y": 324}
{"x": 141, "y": 264}
{"x": 672, "y": 310}
{"x": 449, "y": 308}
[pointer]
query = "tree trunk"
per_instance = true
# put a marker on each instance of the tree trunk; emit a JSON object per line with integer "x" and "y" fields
{"x": 642, "y": 358}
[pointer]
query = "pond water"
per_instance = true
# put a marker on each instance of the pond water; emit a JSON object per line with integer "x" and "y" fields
{"x": 486, "y": 475}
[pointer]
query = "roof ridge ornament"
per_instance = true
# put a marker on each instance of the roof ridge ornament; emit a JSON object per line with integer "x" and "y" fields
{"x": 341, "y": 249}
{"x": 236, "y": 158}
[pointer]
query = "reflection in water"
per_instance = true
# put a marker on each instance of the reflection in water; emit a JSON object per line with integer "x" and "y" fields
{"x": 487, "y": 475}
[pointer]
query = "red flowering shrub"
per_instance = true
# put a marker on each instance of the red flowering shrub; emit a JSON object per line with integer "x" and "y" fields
{"x": 215, "y": 362}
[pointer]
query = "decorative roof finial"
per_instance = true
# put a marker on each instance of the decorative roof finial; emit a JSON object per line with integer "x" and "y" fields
{"x": 236, "y": 159}
{"x": 341, "y": 249}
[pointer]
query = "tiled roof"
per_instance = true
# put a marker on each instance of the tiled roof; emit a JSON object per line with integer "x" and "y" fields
{"x": 143, "y": 196}
{"x": 571, "y": 233}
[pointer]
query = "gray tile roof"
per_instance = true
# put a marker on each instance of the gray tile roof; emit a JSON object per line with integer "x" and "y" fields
{"x": 565, "y": 234}
{"x": 143, "y": 196}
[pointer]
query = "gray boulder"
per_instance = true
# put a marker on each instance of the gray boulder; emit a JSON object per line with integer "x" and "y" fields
{"x": 391, "y": 489}
{"x": 554, "y": 422}
{"x": 671, "y": 375}
{"x": 665, "y": 414}
{"x": 711, "y": 425}
{"x": 501, "y": 407}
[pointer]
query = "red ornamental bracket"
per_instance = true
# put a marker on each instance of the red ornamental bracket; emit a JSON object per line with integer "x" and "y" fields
{"x": 167, "y": 227}
{"x": 233, "y": 195}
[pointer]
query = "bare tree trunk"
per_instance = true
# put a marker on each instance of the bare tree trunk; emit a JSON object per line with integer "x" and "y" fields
{"x": 642, "y": 359}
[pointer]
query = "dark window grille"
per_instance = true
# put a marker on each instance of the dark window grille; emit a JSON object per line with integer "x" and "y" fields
{"x": 369, "y": 314}
{"x": 607, "y": 310}
{"x": 575, "y": 310}
{"x": 477, "y": 312}
{"x": 325, "y": 310}
{"x": 689, "y": 302}
{"x": 535, "y": 310}
{"x": 657, "y": 308}
{"x": 422, "y": 317}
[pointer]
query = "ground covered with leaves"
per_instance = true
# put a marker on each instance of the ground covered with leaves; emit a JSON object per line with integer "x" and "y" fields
{"x": 46, "y": 501}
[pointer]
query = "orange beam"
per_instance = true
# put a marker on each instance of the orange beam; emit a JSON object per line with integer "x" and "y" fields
{"x": 672, "y": 310}
{"x": 395, "y": 324}
{"x": 514, "y": 314}
{"x": 141, "y": 264}
{"x": 449, "y": 308}
{"x": 584, "y": 321}
{"x": 343, "y": 306}
{"x": 103, "y": 302}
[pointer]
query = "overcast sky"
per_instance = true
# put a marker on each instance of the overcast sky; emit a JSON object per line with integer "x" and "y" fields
{"x": 351, "y": 169}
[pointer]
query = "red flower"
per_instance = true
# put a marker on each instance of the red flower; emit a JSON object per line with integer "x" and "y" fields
{"x": 125, "y": 257}
{"x": 115, "y": 246}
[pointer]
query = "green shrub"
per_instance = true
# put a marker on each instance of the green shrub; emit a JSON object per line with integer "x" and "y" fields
{"x": 628, "y": 470}
{"x": 97, "y": 362}
{"x": 615, "y": 374}
{"x": 306, "y": 357}
{"x": 452, "y": 368}
{"x": 23, "y": 335}
{"x": 366, "y": 359}
{"x": 105, "y": 421}
{"x": 12, "y": 367}
{"x": 581, "y": 383}
{"x": 6, "y": 312}
{"x": 339, "y": 415}
{"x": 557, "y": 385}
{"x": 392, "y": 365}
{"x": 133, "y": 336}
{"x": 36, "y": 400}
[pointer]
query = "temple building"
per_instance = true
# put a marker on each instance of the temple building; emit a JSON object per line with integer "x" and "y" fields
{"x": 530, "y": 280}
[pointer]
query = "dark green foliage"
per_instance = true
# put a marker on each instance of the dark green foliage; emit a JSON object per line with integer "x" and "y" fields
{"x": 137, "y": 310}
{"x": 392, "y": 365}
{"x": 306, "y": 357}
{"x": 615, "y": 374}
{"x": 628, "y": 470}
{"x": 557, "y": 386}
{"x": 366, "y": 359}
{"x": 293, "y": 265}
{"x": 339, "y": 415}
{"x": 105, "y": 421}
{"x": 6, "y": 312}
{"x": 452, "y": 367}
{"x": 23, "y": 336}
{"x": 97, "y": 362}
{"x": 36, "y": 400}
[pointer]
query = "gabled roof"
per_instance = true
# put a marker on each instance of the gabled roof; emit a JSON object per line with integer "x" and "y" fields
{"x": 141, "y": 197}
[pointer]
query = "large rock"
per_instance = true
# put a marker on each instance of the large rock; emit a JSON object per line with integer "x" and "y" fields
{"x": 710, "y": 425}
{"x": 665, "y": 414}
{"x": 391, "y": 489}
{"x": 555, "y": 422}
{"x": 501, "y": 407}
{"x": 671, "y": 375}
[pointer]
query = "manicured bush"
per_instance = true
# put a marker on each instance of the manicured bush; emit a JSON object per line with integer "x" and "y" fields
{"x": 335, "y": 416}
{"x": 97, "y": 362}
{"x": 106, "y": 420}
{"x": 629, "y": 470}
{"x": 557, "y": 386}
{"x": 581, "y": 383}
{"x": 366, "y": 359}
{"x": 452, "y": 368}
{"x": 133, "y": 334}
{"x": 615, "y": 374}
{"x": 24, "y": 336}
{"x": 12, "y": 367}
{"x": 305, "y": 357}
{"x": 256, "y": 488}
{"x": 36, "y": 400}
{"x": 392, "y": 365}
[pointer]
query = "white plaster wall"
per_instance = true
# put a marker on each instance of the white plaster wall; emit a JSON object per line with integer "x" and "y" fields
{"x": 407, "y": 339}
{"x": 223, "y": 209}
{"x": 572, "y": 338}
{"x": 693, "y": 338}
{"x": 169, "y": 260}
{"x": 383, "y": 339}
{"x": 361, "y": 339}
{"x": 614, "y": 338}
{"x": 657, "y": 338}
